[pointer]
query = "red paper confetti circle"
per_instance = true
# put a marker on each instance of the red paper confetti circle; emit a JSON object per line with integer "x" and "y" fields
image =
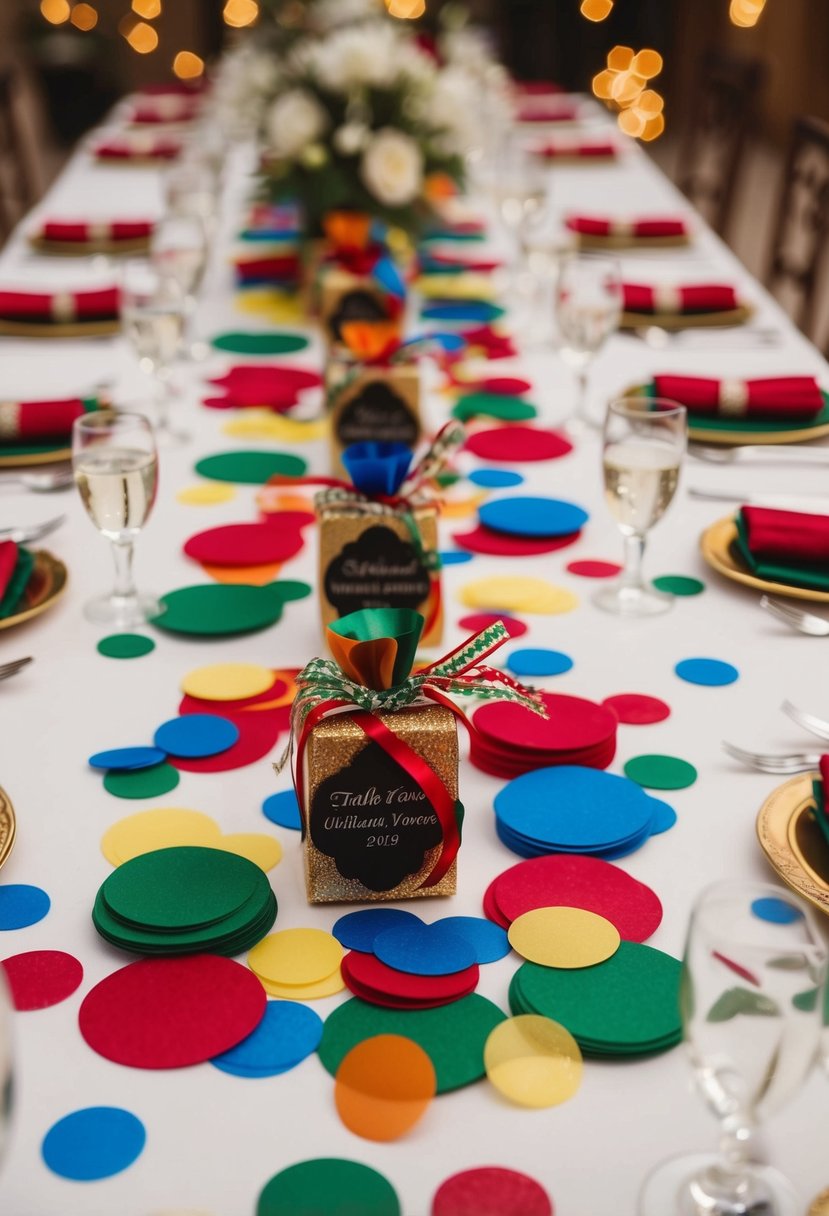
{"x": 587, "y": 568}
{"x": 172, "y": 1012}
{"x": 478, "y": 621}
{"x": 506, "y": 444}
{"x": 635, "y": 709}
{"x": 491, "y": 1191}
{"x": 244, "y": 545}
{"x": 40, "y": 978}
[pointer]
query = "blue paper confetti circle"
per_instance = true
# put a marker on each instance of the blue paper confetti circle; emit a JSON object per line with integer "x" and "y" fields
{"x": 664, "y": 817}
{"x": 776, "y": 911}
{"x": 196, "y": 735}
{"x": 712, "y": 673}
{"x": 420, "y": 949}
{"x": 127, "y": 759}
{"x": 22, "y": 905}
{"x": 533, "y": 516}
{"x": 496, "y": 479}
{"x": 93, "y": 1143}
{"x": 287, "y": 1034}
{"x": 489, "y": 941}
{"x": 283, "y": 808}
{"x": 455, "y": 557}
{"x": 539, "y": 662}
{"x": 359, "y": 930}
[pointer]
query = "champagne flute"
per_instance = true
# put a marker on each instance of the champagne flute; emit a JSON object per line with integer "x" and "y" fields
{"x": 115, "y": 463}
{"x": 588, "y": 308}
{"x": 644, "y": 443}
{"x": 153, "y": 314}
{"x": 179, "y": 251}
{"x": 751, "y": 998}
{"x": 520, "y": 191}
{"x": 192, "y": 189}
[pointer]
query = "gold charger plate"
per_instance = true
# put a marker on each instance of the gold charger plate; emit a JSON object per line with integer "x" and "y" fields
{"x": 46, "y": 585}
{"x": 742, "y": 434}
{"x": 70, "y": 329}
{"x": 8, "y": 826}
{"x": 793, "y": 842}
{"x": 716, "y": 548}
{"x": 695, "y": 320}
{"x": 85, "y": 249}
{"x": 617, "y": 241}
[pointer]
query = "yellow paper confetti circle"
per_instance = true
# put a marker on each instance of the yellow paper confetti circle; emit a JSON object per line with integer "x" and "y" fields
{"x": 296, "y": 956}
{"x": 227, "y": 681}
{"x": 518, "y": 594}
{"x": 533, "y": 1061}
{"x": 563, "y": 937}
{"x": 206, "y": 495}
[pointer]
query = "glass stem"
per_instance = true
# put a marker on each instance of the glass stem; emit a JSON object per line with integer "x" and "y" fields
{"x": 634, "y": 553}
{"x": 162, "y": 403}
{"x": 582, "y": 384}
{"x": 124, "y": 584}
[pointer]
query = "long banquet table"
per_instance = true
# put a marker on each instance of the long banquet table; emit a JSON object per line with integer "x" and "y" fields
{"x": 213, "y": 1140}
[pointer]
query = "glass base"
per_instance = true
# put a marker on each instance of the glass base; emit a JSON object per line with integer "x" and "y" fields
{"x": 687, "y": 1186}
{"x": 121, "y": 611}
{"x": 166, "y": 437}
{"x": 625, "y": 599}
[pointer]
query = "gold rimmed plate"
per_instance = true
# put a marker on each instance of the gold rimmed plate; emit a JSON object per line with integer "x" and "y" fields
{"x": 45, "y": 587}
{"x": 691, "y": 320}
{"x": 8, "y": 826}
{"x": 727, "y": 433}
{"x": 793, "y": 842}
{"x": 617, "y": 241}
{"x": 19, "y": 456}
{"x": 59, "y": 329}
{"x": 85, "y": 249}
{"x": 717, "y": 545}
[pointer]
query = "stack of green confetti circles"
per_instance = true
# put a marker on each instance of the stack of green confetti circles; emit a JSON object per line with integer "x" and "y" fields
{"x": 185, "y": 900}
{"x": 625, "y": 1006}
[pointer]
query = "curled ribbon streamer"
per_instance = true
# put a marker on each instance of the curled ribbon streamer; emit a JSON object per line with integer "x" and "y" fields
{"x": 324, "y": 690}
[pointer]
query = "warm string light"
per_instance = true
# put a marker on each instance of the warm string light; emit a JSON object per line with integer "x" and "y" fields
{"x": 596, "y": 10}
{"x": 148, "y": 9}
{"x": 56, "y": 12}
{"x": 406, "y": 10}
{"x": 624, "y": 85}
{"x": 746, "y": 13}
{"x": 142, "y": 38}
{"x": 188, "y": 66}
{"x": 239, "y": 13}
{"x": 84, "y": 17}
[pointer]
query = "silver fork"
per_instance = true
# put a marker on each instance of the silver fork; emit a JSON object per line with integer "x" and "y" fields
{"x": 26, "y": 536}
{"x": 720, "y": 336}
{"x": 760, "y": 453}
{"x": 810, "y": 623}
{"x": 816, "y": 726}
{"x": 12, "y": 668}
{"x": 770, "y": 762}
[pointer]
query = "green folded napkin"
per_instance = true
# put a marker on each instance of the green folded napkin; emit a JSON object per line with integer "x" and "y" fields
{"x": 808, "y": 577}
{"x": 17, "y": 584}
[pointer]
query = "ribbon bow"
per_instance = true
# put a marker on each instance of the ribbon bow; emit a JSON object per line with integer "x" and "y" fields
{"x": 371, "y": 673}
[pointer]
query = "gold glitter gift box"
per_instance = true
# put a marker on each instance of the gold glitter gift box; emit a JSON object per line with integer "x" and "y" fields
{"x": 371, "y": 402}
{"x": 380, "y": 836}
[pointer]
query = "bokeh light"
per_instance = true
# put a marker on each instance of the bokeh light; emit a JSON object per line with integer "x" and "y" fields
{"x": 84, "y": 17}
{"x": 647, "y": 63}
{"x": 56, "y": 12}
{"x": 620, "y": 58}
{"x": 596, "y": 10}
{"x": 148, "y": 9}
{"x": 406, "y": 10}
{"x": 623, "y": 85}
{"x": 746, "y": 13}
{"x": 142, "y": 38}
{"x": 239, "y": 13}
{"x": 188, "y": 66}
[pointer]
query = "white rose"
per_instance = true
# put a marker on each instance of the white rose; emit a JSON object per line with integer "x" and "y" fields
{"x": 362, "y": 57}
{"x": 392, "y": 168}
{"x": 295, "y": 120}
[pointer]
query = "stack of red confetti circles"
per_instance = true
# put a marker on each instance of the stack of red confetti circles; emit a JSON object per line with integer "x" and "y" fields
{"x": 373, "y": 981}
{"x": 509, "y": 740}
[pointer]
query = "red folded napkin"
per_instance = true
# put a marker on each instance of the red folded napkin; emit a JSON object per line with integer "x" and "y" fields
{"x": 171, "y": 107}
{"x": 175, "y": 88}
{"x": 496, "y": 345}
{"x": 8, "y": 561}
{"x": 536, "y": 88}
{"x": 824, "y": 777}
{"x": 473, "y": 265}
{"x": 588, "y": 225}
{"x": 138, "y": 149}
{"x": 595, "y": 150}
{"x": 287, "y": 266}
{"x": 792, "y": 537}
{"x": 95, "y": 230}
{"x": 773, "y": 397}
{"x": 59, "y": 306}
{"x": 547, "y": 111}
{"x": 41, "y": 420}
{"x": 696, "y": 298}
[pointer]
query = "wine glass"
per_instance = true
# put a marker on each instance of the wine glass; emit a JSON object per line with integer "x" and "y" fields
{"x": 153, "y": 314}
{"x": 751, "y": 998}
{"x": 643, "y": 446}
{"x": 588, "y": 308}
{"x": 115, "y": 463}
{"x": 192, "y": 189}
{"x": 520, "y": 191}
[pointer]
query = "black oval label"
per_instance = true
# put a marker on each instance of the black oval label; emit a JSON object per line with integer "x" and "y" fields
{"x": 378, "y": 570}
{"x": 377, "y": 413}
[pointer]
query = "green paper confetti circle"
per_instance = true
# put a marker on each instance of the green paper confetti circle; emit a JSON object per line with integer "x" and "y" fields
{"x": 661, "y": 772}
{"x": 250, "y": 468}
{"x": 453, "y": 1036}
{"x": 142, "y": 783}
{"x": 679, "y": 584}
{"x": 260, "y": 344}
{"x": 125, "y": 646}
{"x": 493, "y": 405}
{"x": 218, "y": 609}
{"x": 183, "y": 887}
{"x": 330, "y": 1185}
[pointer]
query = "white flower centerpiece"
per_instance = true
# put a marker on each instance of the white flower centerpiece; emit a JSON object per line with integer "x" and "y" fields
{"x": 361, "y": 122}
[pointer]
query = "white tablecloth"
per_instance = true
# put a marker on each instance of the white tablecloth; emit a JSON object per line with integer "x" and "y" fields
{"x": 213, "y": 1140}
